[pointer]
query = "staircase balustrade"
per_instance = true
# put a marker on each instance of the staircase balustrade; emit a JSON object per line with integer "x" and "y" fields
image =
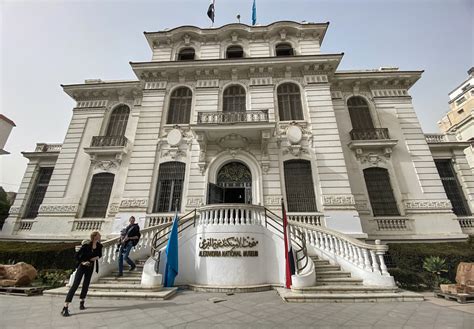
{"x": 230, "y": 214}
{"x": 365, "y": 256}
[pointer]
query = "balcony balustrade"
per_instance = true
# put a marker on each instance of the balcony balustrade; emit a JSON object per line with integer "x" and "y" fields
{"x": 232, "y": 117}
{"x": 370, "y": 134}
{"x": 109, "y": 141}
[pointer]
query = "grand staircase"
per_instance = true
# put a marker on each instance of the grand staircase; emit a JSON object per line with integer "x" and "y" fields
{"x": 331, "y": 284}
{"x": 125, "y": 287}
{"x": 335, "y": 285}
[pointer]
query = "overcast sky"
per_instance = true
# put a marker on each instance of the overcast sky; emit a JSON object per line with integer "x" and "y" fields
{"x": 46, "y": 43}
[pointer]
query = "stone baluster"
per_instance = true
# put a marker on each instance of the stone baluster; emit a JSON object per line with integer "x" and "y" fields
{"x": 375, "y": 265}
{"x": 346, "y": 252}
{"x": 337, "y": 246}
{"x": 380, "y": 254}
{"x": 331, "y": 244}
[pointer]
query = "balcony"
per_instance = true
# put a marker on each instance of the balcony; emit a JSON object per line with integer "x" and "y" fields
{"x": 373, "y": 139}
{"x": 44, "y": 150}
{"x": 369, "y": 134}
{"x": 232, "y": 117}
{"x": 107, "y": 145}
{"x": 443, "y": 142}
{"x": 109, "y": 141}
{"x": 233, "y": 130}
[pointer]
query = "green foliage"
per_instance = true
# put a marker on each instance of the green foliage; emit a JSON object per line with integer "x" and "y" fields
{"x": 40, "y": 255}
{"x": 53, "y": 278}
{"x": 410, "y": 257}
{"x": 435, "y": 266}
{"x": 4, "y": 206}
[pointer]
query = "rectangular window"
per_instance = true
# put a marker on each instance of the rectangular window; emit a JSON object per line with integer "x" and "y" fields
{"x": 452, "y": 188}
{"x": 380, "y": 192}
{"x": 99, "y": 195}
{"x": 299, "y": 186}
{"x": 170, "y": 187}
{"x": 38, "y": 192}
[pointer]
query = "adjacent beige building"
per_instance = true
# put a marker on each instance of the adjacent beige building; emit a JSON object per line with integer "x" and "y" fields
{"x": 460, "y": 118}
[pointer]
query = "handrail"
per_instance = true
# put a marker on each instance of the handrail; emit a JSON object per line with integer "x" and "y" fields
{"x": 366, "y": 256}
{"x": 296, "y": 237}
{"x": 161, "y": 237}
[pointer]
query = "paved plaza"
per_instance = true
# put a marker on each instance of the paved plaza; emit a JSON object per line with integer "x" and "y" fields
{"x": 251, "y": 310}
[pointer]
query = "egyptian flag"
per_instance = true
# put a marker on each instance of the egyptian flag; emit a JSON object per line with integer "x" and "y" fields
{"x": 210, "y": 11}
{"x": 288, "y": 250}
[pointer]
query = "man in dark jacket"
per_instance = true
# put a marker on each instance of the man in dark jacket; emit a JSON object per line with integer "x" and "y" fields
{"x": 130, "y": 240}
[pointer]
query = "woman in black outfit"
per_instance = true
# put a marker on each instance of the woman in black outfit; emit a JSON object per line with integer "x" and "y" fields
{"x": 86, "y": 257}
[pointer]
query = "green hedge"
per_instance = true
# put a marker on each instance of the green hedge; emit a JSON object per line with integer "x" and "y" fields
{"x": 40, "y": 255}
{"x": 408, "y": 260}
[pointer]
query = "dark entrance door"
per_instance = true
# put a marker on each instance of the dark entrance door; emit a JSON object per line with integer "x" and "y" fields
{"x": 234, "y": 195}
{"x": 234, "y": 185}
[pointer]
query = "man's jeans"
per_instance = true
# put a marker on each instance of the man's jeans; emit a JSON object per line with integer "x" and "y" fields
{"x": 124, "y": 252}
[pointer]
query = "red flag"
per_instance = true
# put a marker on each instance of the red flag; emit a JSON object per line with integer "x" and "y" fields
{"x": 286, "y": 239}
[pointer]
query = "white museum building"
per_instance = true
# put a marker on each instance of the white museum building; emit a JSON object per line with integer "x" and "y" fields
{"x": 222, "y": 124}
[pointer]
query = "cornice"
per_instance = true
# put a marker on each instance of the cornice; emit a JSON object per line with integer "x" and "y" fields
{"x": 103, "y": 90}
{"x": 290, "y": 28}
{"x": 376, "y": 79}
{"x": 309, "y": 64}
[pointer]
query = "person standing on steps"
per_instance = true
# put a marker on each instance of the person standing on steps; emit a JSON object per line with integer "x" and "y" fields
{"x": 87, "y": 256}
{"x": 129, "y": 241}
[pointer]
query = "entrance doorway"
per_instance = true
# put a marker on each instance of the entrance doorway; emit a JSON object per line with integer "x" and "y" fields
{"x": 233, "y": 185}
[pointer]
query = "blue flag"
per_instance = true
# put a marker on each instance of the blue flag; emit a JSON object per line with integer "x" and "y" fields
{"x": 254, "y": 13}
{"x": 171, "y": 270}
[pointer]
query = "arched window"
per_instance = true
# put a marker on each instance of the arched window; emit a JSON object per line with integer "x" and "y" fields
{"x": 234, "y": 52}
{"x": 284, "y": 49}
{"x": 359, "y": 113}
{"x": 186, "y": 54}
{"x": 234, "y": 99}
{"x": 299, "y": 186}
{"x": 180, "y": 106}
{"x": 118, "y": 121}
{"x": 380, "y": 192}
{"x": 289, "y": 102}
{"x": 99, "y": 195}
{"x": 169, "y": 187}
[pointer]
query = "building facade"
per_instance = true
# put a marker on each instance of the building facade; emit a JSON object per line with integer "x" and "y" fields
{"x": 241, "y": 115}
{"x": 6, "y": 126}
{"x": 460, "y": 118}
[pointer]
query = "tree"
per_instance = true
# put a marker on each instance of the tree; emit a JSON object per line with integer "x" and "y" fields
{"x": 435, "y": 265}
{"x": 4, "y": 206}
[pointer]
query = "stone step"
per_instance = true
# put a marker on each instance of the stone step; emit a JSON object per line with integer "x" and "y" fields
{"x": 325, "y": 268}
{"x": 321, "y": 262}
{"x": 402, "y": 296}
{"x": 124, "y": 279}
{"x": 346, "y": 289}
{"x": 333, "y": 274}
{"x": 164, "y": 293}
{"x": 337, "y": 281}
{"x": 121, "y": 287}
{"x": 136, "y": 273}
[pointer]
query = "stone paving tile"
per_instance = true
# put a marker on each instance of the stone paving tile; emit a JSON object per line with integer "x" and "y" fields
{"x": 252, "y": 310}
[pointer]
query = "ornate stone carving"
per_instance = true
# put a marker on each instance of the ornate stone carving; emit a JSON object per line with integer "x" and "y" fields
{"x": 113, "y": 209}
{"x": 423, "y": 205}
{"x": 338, "y": 200}
{"x": 15, "y": 210}
{"x": 295, "y": 150}
{"x": 234, "y": 141}
{"x": 273, "y": 200}
{"x": 194, "y": 202}
{"x": 62, "y": 208}
{"x": 173, "y": 152}
{"x": 106, "y": 165}
{"x": 134, "y": 203}
{"x": 265, "y": 165}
